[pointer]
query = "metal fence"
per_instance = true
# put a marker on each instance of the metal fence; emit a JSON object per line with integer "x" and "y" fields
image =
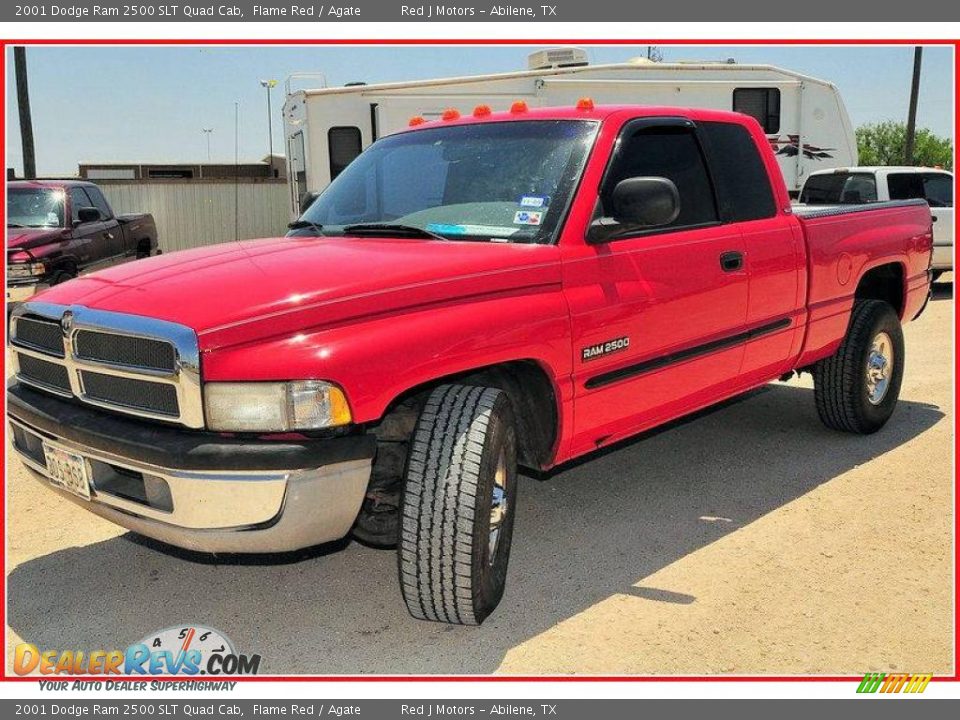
{"x": 191, "y": 214}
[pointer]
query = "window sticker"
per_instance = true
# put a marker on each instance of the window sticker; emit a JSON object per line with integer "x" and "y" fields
{"x": 534, "y": 201}
{"x": 452, "y": 229}
{"x": 527, "y": 217}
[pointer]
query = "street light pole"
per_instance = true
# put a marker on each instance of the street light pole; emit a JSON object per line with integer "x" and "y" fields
{"x": 208, "y": 132}
{"x": 269, "y": 85}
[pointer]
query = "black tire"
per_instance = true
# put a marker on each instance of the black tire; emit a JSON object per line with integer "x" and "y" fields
{"x": 62, "y": 277}
{"x": 447, "y": 573}
{"x": 840, "y": 381}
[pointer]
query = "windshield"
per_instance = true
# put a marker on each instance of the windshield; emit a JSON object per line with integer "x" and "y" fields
{"x": 502, "y": 182}
{"x": 34, "y": 207}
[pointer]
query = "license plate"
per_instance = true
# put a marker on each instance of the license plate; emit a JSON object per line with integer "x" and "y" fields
{"x": 67, "y": 471}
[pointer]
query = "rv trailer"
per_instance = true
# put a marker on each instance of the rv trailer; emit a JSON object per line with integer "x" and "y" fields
{"x": 804, "y": 118}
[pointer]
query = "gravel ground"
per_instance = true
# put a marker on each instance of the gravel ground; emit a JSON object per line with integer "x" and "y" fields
{"x": 748, "y": 540}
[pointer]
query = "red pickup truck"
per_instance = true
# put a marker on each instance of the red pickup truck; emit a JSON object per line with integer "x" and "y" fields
{"x": 474, "y": 294}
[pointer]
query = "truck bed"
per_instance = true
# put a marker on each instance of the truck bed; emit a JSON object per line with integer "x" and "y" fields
{"x": 843, "y": 242}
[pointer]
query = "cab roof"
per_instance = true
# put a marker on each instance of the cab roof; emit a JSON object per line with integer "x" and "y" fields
{"x": 599, "y": 113}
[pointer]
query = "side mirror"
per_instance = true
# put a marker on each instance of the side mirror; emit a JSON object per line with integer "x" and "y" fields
{"x": 88, "y": 214}
{"x": 306, "y": 200}
{"x": 646, "y": 202}
{"x": 638, "y": 203}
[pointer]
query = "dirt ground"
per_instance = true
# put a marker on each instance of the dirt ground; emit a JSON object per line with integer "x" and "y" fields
{"x": 749, "y": 540}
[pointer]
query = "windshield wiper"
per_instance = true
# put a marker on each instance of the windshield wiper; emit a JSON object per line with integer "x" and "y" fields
{"x": 306, "y": 225}
{"x": 393, "y": 229}
{"x": 14, "y": 225}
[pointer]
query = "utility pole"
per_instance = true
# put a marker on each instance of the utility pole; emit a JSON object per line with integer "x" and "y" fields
{"x": 208, "y": 132}
{"x": 269, "y": 85}
{"x": 912, "y": 116}
{"x": 26, "y": 122}
{"x": 236, "y": 171}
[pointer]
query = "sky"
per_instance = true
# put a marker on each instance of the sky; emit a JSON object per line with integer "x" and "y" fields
{"x": 149, "y": 104}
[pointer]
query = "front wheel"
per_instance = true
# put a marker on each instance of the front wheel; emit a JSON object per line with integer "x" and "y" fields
{"x": 459, "y": 501}
{"x": 857, "y": 388}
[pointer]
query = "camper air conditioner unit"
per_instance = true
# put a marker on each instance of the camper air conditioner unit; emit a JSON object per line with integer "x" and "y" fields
{"x": 557, "y": 58}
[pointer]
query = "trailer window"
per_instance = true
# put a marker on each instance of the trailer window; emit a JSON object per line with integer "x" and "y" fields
{"x": 344, "y": 145}
{"x": 743, "y": 184}
{"x": 762, "y": 104}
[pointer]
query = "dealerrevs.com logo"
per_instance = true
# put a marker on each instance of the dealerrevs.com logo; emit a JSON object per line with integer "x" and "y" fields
{"x": 894, "y": 683}
{"x": 187, "y": 650}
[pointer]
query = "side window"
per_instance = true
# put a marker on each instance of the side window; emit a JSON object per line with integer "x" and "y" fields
{"x": 743, "y": 184}
{"x": 78, "y": 199}
{"x": 672, "y": 153}
{"x": 344, "y": 144}
{"x": 840, "y": 189}
{"x": 762, "y": 104}
{"x": 938, "y": 189}
{"x": 905, "y": 186}
{"x": 99, "y": 202}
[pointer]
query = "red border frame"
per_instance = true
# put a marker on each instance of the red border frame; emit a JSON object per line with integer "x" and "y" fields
{"x": 521, "y": 41}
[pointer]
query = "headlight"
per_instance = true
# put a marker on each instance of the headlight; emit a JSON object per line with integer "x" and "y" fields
{"x": 274, "y": 406}
{"x": 22, "y": 270}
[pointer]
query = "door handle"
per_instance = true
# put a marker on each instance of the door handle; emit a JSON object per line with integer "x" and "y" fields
{"x": 108, "y": 235}
{"x": 731, "y": 261}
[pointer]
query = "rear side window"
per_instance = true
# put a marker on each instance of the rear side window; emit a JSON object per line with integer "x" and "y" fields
{"x": 672, "y": 153}
{"x": 935, "y": 188}
{"x": 762, "y": 104}
{"x": 344, "y": 145}
{"x": 743, "y": 184}
{"x": 840, "y": 189}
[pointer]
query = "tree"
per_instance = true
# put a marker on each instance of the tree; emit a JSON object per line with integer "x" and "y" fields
{"x": 884, "y": 143}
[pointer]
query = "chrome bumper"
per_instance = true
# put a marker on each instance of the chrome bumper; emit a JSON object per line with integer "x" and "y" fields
{"x": 22, "y": 293}
{"x": 233, "y": 511}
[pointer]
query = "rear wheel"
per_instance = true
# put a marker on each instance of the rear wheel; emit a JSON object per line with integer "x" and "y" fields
{"x": 857, "y": 388}
{"x": 459, "y": 501}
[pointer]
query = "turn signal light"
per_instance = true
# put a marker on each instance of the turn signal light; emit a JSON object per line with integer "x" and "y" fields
{"x": 417, "y": 120}
{"x": 481, "y": 111}
{"x": 585, "y": 103}
{"x": 519, "y": 106}
{"x": 450, "y": 114}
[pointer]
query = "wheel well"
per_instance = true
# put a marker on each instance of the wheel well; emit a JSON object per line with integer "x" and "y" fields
{"x": 884, "y": 282}
{"x": 530, "y": 390}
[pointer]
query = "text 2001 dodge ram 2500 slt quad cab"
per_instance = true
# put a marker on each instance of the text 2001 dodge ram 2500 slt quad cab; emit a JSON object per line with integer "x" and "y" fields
{"x": 469, "y": 295}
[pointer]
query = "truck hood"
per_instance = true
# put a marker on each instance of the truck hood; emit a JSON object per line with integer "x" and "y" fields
{"x": 27, "y": 238}
{"x": 244, "y": 291}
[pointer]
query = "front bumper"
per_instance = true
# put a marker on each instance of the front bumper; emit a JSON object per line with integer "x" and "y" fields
{"x": 199, "y": 491}
{"x": 21, "y": 292}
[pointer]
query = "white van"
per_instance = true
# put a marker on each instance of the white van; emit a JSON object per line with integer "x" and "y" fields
{"x": 855, "y": 186}
{"x": 804, "y": 118}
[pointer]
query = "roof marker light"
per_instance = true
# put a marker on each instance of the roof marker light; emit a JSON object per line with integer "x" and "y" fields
{"x": 520, "y": 106}
{"x": 450, "y": 114}
{"x": 481, "y": 111}
{"x": 585, "y": 103}
{"x": 417, "y": 120}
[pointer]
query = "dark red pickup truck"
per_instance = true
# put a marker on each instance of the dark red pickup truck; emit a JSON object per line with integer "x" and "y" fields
{"x": 57, "y": 229}
{"x": 472, "y": 295}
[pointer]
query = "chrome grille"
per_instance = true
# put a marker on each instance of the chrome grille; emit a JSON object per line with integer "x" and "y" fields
{"x": 126, "y": 363}
{"x": 125, "y": 350}
{"x": 127, "y": 392}
{"x": 49, "y": 374}
{"x": 42, "y": 335}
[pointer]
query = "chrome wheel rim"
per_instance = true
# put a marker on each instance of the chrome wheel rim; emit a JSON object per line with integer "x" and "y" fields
{"x": 498, "y": 505}
{"x": 879, "y": 368}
